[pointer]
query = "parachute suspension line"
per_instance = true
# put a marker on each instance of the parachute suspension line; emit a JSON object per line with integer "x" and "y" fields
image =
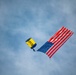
{"x": 34, "y": 50}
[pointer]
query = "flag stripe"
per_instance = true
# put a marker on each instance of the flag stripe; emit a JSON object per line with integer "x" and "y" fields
{"x": 57, "y": 33}
{"x": 57, "y": 36}
{"x": 60, "y": 46}
{"x": 62, "y": 29}
{"x": 59, "y": 39}
{"x": 68, "y": 36}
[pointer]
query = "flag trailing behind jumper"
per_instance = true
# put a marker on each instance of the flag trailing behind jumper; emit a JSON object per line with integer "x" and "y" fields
{"x": 56, "y": 41}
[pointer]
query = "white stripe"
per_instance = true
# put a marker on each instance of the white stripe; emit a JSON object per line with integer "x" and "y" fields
{"x": 64, "y": 40}
{"x": 58, "y": 42}
{"x": 59, "y": 31}
{"x": 59, "y": 39}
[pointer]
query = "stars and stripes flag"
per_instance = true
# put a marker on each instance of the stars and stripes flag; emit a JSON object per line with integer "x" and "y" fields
{"x": 56, "y": 41}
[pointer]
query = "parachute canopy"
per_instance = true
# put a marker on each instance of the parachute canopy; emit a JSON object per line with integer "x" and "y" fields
{"x": 31, "y": 43}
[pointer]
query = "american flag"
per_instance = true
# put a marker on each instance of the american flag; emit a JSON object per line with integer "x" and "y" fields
{"x": 56, "y": 41}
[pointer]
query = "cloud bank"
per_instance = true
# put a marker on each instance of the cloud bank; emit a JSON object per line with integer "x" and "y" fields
{"x": 39, "y": 19}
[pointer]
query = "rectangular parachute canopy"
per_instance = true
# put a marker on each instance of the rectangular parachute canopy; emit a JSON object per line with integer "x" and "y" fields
{"x": 31, "y": 43}
{"x": 56, "y": 41}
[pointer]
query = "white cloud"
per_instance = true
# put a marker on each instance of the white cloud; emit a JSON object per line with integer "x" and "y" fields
{"x": 47, "y": 17}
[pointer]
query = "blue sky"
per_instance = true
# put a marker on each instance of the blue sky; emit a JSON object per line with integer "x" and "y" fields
{"x": 39, "y": 19}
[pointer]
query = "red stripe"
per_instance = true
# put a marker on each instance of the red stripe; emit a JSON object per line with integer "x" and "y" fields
{"x": 54, "y": 43}
{"x": 58, "y": 45}
{"x": 59, "y": 41}
{"x": 56, "y": 34}
{"x": 66, "y": 38}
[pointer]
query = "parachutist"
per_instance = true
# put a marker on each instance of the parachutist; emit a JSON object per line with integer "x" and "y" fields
{"x": 33, "y": 49}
